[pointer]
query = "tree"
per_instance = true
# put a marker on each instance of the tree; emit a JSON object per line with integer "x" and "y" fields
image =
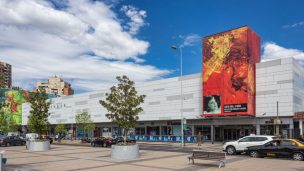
{"x": 38, "y": 118}
{"x": 7, "y": 123}
{"x": 84, "y": 122}
{"x": 59, "y": 129}
{"x": 123, "y": 104}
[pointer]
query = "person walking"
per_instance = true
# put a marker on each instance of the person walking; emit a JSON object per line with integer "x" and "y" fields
{"x": 199, "y": 138}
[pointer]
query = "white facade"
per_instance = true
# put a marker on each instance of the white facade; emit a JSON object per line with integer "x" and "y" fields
{"x": 162, "y": 102}
{"x": 279, "y": 80}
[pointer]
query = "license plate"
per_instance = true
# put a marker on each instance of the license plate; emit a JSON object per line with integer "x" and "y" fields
{"x": 271, "y": 154}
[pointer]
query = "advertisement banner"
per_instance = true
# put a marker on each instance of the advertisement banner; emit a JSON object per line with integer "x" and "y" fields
{"x": 229, "y": 60}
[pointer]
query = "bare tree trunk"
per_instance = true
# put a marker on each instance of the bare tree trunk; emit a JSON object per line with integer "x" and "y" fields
{"x": 125, "y": 136}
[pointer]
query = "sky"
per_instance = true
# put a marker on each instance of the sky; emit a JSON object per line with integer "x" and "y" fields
{"x": 89, "y": 43}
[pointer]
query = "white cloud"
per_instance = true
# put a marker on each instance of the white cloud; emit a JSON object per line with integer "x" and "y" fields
{"x": 40, "y": 40}
{"x": 136, "y": 18}
{"x": 273, "y": 51}
{"x": 298, "y": 24}
{"x": 190, "y": 40}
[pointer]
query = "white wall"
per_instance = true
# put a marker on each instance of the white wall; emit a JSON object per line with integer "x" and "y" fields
{"x": 277, "y": 80}
{"x": 162, "y": 102}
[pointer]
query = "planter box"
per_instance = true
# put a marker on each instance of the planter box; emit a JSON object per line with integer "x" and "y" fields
{"x": 125, "y": 152}
{"x": 38, "y": 145}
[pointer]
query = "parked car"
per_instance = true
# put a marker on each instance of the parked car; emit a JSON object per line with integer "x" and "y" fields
{"x": 277, "y": 148}
{"x": 121, "y": 140}
{"x": 11, "y": 140}
{"x": 86, "y": 140}
{"x": 239, "y": 146}
{"x": 103, "y": 142}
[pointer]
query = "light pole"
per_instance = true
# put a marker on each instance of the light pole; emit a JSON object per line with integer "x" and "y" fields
{"x": 181, "y": 90}
{"x": 277, "y": 121}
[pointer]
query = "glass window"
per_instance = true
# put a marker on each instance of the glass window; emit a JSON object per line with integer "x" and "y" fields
{"x": 260, "y": 138}
{"x": 287, "y": 143}
{"x": 244, "y": 139}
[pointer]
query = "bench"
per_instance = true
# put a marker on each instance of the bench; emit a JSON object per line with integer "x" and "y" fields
{"x": 209, "y": 155}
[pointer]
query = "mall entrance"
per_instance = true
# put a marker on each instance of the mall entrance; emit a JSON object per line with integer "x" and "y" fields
{"x": 227, "y": 133}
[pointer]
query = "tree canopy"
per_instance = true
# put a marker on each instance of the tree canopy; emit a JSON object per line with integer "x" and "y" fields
{"x": 84, "y": 122}
{"x": 7, "y": 123}
{"x": 123, "y": 104}
{"x": 38, "y": 118}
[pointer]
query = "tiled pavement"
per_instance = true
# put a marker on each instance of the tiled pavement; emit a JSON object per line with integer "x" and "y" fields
{"x": 155, "y": 156}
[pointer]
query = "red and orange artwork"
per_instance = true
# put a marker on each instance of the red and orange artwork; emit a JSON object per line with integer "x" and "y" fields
{"x": 229, "y": 60}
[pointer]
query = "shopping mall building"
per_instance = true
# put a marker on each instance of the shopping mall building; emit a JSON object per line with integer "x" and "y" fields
{"x": 247, "y": 101}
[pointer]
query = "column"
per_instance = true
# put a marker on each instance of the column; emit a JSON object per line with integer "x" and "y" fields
{"x": 258, "y": 128}
{"x": 301, "y": 126}
{"x": 212, "y": 134}
{"x": 192, "y": 127}
{"x": 291, "y": 129}
{"x": 160, "y": 130}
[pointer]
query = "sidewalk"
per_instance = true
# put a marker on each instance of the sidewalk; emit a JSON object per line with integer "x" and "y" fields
{"x": 206, "y": 145}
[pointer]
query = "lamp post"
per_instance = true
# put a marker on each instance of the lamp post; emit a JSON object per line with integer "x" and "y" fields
{"x": 277, "y": 121}
{"x": 181, "y": 90}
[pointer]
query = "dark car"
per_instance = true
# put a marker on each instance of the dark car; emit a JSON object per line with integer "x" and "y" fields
{"x": 277, "y": 148}
{"x": 121, "y": 140}
{"x": 103, "y": 142}
{"x": 11, "y": 140}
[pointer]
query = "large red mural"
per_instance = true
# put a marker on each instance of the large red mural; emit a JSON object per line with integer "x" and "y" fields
{"x": 229, "y": 60}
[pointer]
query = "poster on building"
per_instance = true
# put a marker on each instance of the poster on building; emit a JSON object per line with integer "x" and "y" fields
{"x": 13, "y": 101}
{"x": 229, "y": 60}
{"x": 212, "y": 104}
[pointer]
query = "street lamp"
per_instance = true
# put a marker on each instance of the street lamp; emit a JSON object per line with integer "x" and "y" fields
{"x": 181, "y": 90}
{"x": 277, "y": 121}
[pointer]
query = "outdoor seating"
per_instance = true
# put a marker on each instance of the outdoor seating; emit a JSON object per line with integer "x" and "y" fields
{"x": 209, "y": 155}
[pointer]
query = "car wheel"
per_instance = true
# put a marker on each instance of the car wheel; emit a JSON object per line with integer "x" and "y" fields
{"x": 104, "y": 144}
{"x": 230, "y": 150}
{"x": 254, "y": 154}
{"x": 8, "y": 144}
{"x": 23, "y": 143}
{"x": 297, "y": 156}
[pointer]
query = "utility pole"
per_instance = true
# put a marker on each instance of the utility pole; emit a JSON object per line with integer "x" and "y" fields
{"x": 278, "y": 122}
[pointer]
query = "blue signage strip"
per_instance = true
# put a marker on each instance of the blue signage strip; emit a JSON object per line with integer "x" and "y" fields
{"x": 164, "y": 138}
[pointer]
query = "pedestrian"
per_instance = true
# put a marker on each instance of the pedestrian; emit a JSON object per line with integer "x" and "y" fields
{"x": 199, "y": 138}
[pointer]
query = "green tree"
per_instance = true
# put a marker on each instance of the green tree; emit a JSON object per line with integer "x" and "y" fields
{"x": 84, "y": 122}
{"x": 38, "y": 118}
{"x": 123, "y": 104}
{"x": 60, "y": 129}
{"x": 7, "y": 123}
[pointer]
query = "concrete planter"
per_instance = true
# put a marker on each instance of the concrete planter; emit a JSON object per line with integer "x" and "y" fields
{"x": 38, "y": 145}
{"x": 125, "y": 152}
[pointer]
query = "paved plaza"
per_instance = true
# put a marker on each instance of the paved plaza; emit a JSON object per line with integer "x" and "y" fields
{"x": 154, "y": 156}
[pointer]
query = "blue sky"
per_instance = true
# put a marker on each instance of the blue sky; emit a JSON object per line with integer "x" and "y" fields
{"x": 88, "y": 43}
{"x": 168, "y": 19}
